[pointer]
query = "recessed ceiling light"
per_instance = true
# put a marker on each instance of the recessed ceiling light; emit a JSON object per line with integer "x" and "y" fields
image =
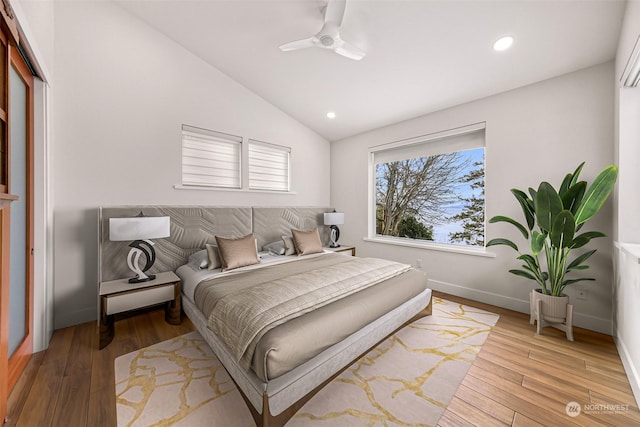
{"x": 503, "y": 43}
{"x": 331, "y": 115}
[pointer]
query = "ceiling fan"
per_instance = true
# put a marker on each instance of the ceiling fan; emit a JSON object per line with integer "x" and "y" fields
{"x": 329, "y": 35}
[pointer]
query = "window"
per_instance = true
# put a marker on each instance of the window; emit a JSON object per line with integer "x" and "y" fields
{"x": 219, "y": 160}
{"x": 430, "y": 189}
{"x": 210, "y": 158}
{"x": 268, "y": 166}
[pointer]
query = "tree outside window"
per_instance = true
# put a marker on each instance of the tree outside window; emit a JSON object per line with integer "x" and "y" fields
{"x": 438, "y": 198}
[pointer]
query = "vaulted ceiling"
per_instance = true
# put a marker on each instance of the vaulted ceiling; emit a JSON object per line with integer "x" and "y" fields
{"x": 422, "y": 55}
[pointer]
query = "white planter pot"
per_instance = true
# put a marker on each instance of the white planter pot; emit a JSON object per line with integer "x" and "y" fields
{"x": 548, "y": 310}
{"x": 554, "y": 309}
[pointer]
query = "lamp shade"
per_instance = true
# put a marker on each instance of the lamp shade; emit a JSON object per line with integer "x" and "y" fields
{"x": 333, "y": 218}
{"x": 139, "y": 228}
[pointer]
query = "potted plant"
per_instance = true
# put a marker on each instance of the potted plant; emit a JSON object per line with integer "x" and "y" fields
{"x": 553, "y": 220}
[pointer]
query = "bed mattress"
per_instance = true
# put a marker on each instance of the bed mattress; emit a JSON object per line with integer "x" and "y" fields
{"x": 288, "y": 389}
{"x": 293, "y": 343}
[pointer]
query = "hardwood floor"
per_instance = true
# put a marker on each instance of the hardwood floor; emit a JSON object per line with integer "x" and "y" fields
{"x": 523, "y": 379}
{"x": 518, "y": 378}
{"x": 71, "y": 384}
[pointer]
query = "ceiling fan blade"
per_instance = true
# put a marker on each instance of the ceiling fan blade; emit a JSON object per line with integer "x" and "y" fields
{"x": 299, "y": 44}
{"x": 329, "y": 35}
{"x": 335, "y": 12}
{"x": 350, "y": 51}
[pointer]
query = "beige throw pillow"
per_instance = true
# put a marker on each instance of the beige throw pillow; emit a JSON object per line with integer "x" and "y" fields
{"x": 235, "y": 253}
{"x": 307, "y": 242}
{"x": 214, "y": 257}
{"x": 289, "y": 246}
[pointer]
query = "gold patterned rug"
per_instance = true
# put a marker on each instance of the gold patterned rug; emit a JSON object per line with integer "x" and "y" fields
{"x": 407, "y": 380}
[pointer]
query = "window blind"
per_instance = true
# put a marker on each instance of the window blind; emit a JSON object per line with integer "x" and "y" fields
{"x": 210, "y": 158}
{"x": 461, "y": 139}
{"x": 268, "y": 166}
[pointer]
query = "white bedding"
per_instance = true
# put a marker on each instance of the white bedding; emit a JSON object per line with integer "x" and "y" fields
{"x": 190, "y": 277}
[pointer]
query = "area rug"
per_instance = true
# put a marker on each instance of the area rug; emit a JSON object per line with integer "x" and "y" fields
{"x": 407, "y": 380}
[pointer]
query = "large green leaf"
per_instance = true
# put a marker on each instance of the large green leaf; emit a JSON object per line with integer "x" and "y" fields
{"x": 526, "y": 267}
{"x": 523, "y": 274}
{"x": 531, "y": 261}
{"x": 573, "y": 196}
{"x": 499, "y": 241}
{"x": 570, "y": 281}
{"x": 548, "y": 205}
{"x": 563, "y": 229}
{"x": 533, "y": 198}
{"x": 537, "y": 241}
{"x": 500, "y": 218}
{"x": 532, "y": 265}
{"x": 570, "y": 180}
{"x": 566, "y": 182}
{"x": 577, "y": 263}
{"x": 597, "y": 194}
{"x": 582, "y": 239}
{"x": 527, "y": 206}
{"x": 576, "y": 174}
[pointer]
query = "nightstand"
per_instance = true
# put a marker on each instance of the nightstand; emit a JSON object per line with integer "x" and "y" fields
{"x": 118, "y": 296}
{"x": 342, "y": 248}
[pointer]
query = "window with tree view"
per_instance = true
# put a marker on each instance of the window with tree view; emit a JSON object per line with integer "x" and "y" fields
{"x": 432, "y": 190}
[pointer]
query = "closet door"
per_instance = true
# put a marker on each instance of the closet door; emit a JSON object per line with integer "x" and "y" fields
{"x": 5, "y": 202}
{"x": 16, "y": 187}
{"x": 21, "y": 214}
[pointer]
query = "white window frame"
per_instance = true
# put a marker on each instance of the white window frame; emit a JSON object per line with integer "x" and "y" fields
{"x": 242, "y": 162}
{"x": 197, "y": 145}
{"x": 398, "y": 149}
{"x": 268, "y": 160}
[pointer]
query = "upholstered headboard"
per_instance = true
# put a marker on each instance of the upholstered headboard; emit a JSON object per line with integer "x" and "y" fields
{"x": 270, "y": 224}
{"x": 194, "y": 226}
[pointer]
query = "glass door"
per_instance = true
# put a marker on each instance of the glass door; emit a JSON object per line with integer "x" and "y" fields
{"x": 20, "y": 182}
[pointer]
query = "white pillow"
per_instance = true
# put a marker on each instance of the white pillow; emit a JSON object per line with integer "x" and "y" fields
{"x": 199, "y": 260}
{"x": 289, "y": 246}
{"x": 213, "y": 256}
{"x": 276, "y": 248}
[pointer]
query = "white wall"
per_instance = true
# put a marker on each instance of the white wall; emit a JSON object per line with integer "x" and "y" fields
{"x": 627, "y": 276}
{"x": 122, "y": 92}
{"x": 36, "y": 21}
{"x": 535, "y": 133}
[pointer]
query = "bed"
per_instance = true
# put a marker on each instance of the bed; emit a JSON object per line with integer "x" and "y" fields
{"x": 358, "y": 302}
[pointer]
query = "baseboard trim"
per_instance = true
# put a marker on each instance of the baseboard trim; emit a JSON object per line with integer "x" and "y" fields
{"x": 629, "y": 367}
{"x": 84, "y": 315}
{"x": 579, "y": 319}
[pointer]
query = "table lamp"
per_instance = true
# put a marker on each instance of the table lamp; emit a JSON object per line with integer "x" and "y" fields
{"x": 140, "y": 229}
{"x": 333, "y": 219}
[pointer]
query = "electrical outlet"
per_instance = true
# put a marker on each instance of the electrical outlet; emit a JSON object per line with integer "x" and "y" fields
{"x": 418, "y": 263}
{"x": 582, "y": 295}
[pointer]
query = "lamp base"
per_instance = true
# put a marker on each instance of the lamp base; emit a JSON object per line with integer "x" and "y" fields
{"x": 139, "y": 248}
{"x": 144, "y": 279}
{"x": 334, "y": 236}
